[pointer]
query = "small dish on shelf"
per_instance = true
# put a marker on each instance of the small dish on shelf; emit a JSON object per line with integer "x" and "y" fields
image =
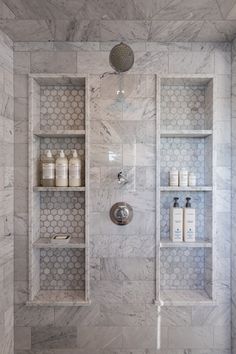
{"x": 60, "y": 238}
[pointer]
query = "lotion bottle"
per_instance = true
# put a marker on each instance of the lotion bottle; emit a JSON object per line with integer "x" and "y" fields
{"x": 176, "y": 222}
{"x": 48, "y": 170}
{"x": 62, "y": 170}
{"x": 183, "y": 178}
{"x": 75, "y": 166}
{"x": 189, "y": 222}
{"x": 174, "y": 177}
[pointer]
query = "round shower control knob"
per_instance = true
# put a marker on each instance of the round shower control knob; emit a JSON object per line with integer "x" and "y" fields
{"x": 121, "y": 213}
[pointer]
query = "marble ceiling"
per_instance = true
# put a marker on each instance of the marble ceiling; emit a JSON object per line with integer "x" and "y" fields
{"x": 114, "y": 20}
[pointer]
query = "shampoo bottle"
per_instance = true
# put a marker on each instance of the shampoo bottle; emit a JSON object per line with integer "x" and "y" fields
{"x": 176, "y": 222}
{"x": 48, "y": 170}
{"x": 189, "y": 222}
{"x": 61, "y": 170}
{"x": 75, "y": 170}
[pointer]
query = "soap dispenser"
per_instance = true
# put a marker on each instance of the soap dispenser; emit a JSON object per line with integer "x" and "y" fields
{"x": 176, "y": 222}
{"x": 62, "y": 170}
{"x": 189, "y": 222}
{"x": 75, "y": 170}
{"x": 47, "y": 170}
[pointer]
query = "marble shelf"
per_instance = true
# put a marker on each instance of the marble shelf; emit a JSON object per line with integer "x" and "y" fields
{"x": 59, "y": 298}
{"x": 45, "y": 242}
{"x": 196, "y": 244}
{"x": 185, "y": 133}
{"x": 186, "y": 189}
{"x": 59, "y": 133}
{"x": 184, "y": 298}
{"x": 59, "y": 189}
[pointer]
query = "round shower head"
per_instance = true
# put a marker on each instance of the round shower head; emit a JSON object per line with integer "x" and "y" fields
{"x": 121, "y": 57}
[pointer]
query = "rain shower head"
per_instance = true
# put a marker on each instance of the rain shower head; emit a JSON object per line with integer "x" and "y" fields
{"x": 121, "y": 57}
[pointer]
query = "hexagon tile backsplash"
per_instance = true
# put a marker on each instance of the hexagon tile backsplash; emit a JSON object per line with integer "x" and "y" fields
{"x": 182, "y": 268}
{"x": 62, "y": 269}
{"x": 182, "y": 107}
{"x": 62, "y": 107}
{"x": 62, "y": 212}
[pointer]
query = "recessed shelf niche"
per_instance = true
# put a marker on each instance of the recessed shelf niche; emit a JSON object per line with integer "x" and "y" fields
{"x": 186, "y": 140}
{"x": 57, "y": 120}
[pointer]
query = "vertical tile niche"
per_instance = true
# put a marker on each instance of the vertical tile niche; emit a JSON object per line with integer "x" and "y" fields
{"x": 186, "y": 140}
{"x": 57, "y": 120}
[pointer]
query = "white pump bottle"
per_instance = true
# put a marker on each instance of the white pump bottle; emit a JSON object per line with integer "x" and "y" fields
{"x": 75, "y": 170}
{"x": 62, "y": 170}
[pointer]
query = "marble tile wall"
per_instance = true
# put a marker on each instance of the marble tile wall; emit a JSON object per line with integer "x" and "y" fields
{"x": 233, "y": 196}
{"x": 122, "y": 318}
{"x": 6, "y": 195}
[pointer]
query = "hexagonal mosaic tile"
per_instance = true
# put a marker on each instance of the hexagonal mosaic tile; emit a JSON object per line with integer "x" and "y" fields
{"x": 182, "y": 268}
{"x": 182, "y": 107}
{"x": 62, "y": 212}
{"x": 197, "y": 201}
{"x": 66, "y": 144}
{"x": 62, "y": 269}
{"x": 62, "y": 107}
{"x": 182, "y": 153}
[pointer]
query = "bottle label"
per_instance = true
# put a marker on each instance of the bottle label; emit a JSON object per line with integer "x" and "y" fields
{"x": 183, "y": 179}
{"x": 61, "y": 171}
{"x": 48, "y": 170}
{"x": 74, "y": 171}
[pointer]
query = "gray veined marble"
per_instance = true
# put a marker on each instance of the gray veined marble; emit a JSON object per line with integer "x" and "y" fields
{"x": 212, "y": 20}
{"x": 122, "y": 317}
{"x": 6, "y": 193}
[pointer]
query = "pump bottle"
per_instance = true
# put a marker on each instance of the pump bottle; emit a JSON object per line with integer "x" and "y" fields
{"x": 75, "y": 170}
{"x": 48, "y": 170}
{"x": 189, "y": 222}
{"x": 62, "y": 170}
{"x": 176, "y": 222}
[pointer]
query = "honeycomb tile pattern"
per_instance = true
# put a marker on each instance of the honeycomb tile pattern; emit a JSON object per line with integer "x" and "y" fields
{"x": 62, "y": 107}
{"x": 66, "y": 144}
{"x": 197, "y": 201}
{"x": 182, "y": 107}
{"x": 182, "y": 268}
{"x": 62, "y": 269}
{"x": 62, "y": 212}
{"x": 182, "y": 153}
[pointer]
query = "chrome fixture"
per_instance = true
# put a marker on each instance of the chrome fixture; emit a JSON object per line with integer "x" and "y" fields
{"x": 122, "y": 179}
{"x": 121, "y": 213}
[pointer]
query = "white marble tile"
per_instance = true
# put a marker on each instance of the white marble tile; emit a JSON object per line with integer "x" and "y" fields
{"x": 51, "y": 62}
{"x": 194, "y": 337}
{"x": 27, "y": 30}
{"x": 21, "y": 62}
{"x": 133, "y": 269}
{"x": 22, "y": 338}
{"x": 139, "y": 337}
{"x": 106, "y": 292}
{"x": 53, "y": 337}
{"x": 202, "y": 10}
{"x": 174, "y": 31}
{"x": 89, "y": 64}
{"x": 222, "y": 337}
{"x": 124, "y": 30}
{"x": 102, "y": 337}
{"x": 191, "y": 63}
{"x": 222, "y": 62}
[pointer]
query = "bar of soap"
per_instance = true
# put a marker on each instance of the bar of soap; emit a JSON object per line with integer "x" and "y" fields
{"x": 60, "y": 238}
